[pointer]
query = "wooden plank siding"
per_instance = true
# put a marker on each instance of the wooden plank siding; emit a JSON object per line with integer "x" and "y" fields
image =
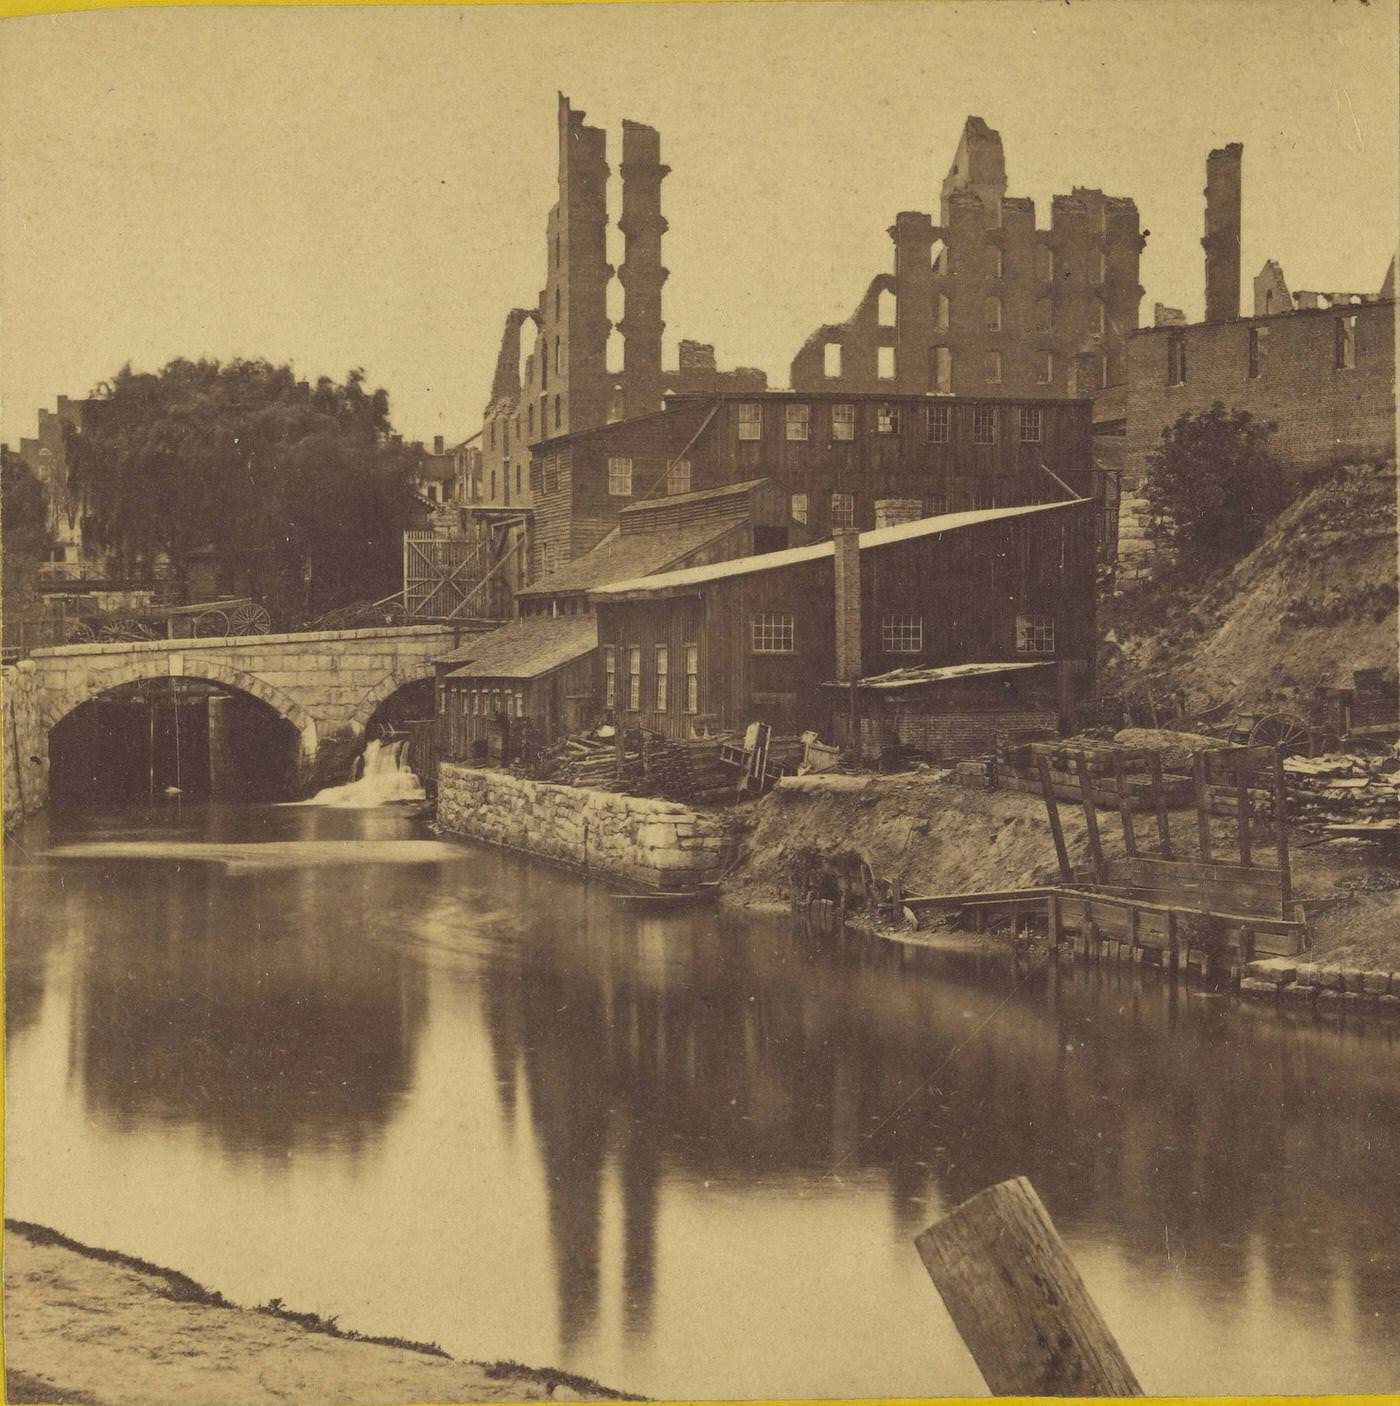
{"x": 555, "y": 705}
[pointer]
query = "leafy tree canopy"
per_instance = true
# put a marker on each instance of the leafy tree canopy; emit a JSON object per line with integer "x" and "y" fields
{"x": 300, "y": 491}
{"x": 1213, "y": 486}
{"x": 24, "y": 524}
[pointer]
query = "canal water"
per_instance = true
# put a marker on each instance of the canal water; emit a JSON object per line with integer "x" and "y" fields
{"x": 435, "y": 1090}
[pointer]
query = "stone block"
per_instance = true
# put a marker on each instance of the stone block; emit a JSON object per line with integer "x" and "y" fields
{"x": 1257, "y": 989}
{"x": 1355, "y": 979}
{"x": 1277, "y": 970}
{"x": 1375, "y": 983}
{"x": 1332, "y": 978}
{"x": 1298, "y": 995}
{"x": 1307, "y": 975}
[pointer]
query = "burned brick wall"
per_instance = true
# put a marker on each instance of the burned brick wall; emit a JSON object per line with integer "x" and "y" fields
{"x": 986, "y": 303}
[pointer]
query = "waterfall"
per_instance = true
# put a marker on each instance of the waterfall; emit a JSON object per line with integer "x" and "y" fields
{"x": 382, "y": 777}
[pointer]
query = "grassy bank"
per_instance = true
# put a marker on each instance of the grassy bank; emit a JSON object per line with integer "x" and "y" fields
{"x": 98, "y": 1328}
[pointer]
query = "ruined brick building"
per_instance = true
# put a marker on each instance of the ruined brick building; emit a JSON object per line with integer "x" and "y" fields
{"x": 1321, "y": 366}
{"x": 984, "y": 302}
{"x": 552, "y": 374}
{"x": 47, "y": 456}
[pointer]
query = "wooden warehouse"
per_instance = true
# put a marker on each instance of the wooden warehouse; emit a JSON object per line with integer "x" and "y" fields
{"x": 807, "y": 638}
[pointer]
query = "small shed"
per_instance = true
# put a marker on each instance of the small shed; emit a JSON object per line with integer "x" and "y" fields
{"x": 510, "y": 692}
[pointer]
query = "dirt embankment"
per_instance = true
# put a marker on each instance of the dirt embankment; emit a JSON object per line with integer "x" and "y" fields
{"x": 96, "y": 1328}
{"x": 1313, "y": 601}
{"x": 939, "y": 837}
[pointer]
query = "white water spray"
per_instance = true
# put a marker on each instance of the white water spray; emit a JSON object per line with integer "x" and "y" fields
{"x": 382, "y": 777}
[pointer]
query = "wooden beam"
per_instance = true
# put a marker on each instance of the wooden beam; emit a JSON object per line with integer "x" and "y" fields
{"x": 1159, "y": 804}
{"x": 1125, "y": 812}
{"x": 1242, "y": 803}
{"x": 1091, "y": 818}
{"x": 1281, "y": 834}
{"x": 1053, "y": 811}
{"x": 1198, "y": 776}
{"x": 1017, "y": 1300}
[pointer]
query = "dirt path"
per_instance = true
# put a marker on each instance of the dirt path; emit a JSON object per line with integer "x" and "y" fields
{"x": 98, "y": 1329}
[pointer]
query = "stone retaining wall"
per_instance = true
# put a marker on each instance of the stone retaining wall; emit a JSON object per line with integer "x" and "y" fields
{"x": 1321, "y": 985}
{"x": 26, "y": 750}
{"x": 657, "y": 844}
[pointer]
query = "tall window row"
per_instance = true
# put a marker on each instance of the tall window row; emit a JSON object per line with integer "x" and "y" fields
{"x": 800, "y": 424}
{"x": 625, "y": 678}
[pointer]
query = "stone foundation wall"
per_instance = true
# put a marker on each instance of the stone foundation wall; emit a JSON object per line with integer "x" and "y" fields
{"x": 1321, "y": 985}
{"x": 658, "y": 844}
{"x": 26, "y": 750}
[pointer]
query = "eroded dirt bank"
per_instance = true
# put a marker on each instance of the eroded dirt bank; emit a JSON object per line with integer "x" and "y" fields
{"x": 939, "y": 837}
{"x": 89, "y": 1326}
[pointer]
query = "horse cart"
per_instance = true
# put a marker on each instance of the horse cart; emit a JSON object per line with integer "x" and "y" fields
{"x": 209, "y": 619}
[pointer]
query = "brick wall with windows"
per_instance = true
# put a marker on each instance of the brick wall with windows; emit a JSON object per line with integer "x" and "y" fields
{"x": 1291, "y": 368}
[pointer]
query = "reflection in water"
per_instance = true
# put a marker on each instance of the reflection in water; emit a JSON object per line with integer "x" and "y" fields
{"x": 685, "y": 1154}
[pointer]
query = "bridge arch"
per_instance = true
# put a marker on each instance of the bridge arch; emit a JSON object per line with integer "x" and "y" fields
{"x": 58, "y": 705}
{"x": 390, "y": 684}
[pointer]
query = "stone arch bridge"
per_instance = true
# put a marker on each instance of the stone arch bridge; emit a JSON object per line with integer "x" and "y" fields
{"x": 327, "y": 684}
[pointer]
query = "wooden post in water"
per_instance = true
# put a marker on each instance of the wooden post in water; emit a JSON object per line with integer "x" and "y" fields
{"x": 1125, "y": 806}
{"x": 1159, "y": 804}
{"x": 1018, "y": 1301}
{"x": 1198, "y": 771}
{"x": 1052, "y": 809}
{"x": 1281, "y": 836}
{"x": 1091, "y": 819}
{"x": 1242, "y": 802}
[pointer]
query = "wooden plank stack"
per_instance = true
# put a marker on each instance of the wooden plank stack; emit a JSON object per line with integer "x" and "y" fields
{"x": 1343, "y": 788}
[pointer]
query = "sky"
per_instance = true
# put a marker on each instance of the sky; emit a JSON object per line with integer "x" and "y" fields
{"x": 350, "y": 186}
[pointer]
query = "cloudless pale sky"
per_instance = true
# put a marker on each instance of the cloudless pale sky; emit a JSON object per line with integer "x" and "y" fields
{"x": 368, "y": 186}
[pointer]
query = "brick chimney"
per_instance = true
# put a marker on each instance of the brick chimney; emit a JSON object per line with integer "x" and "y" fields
{"x": 848, "y": 631}
{"x": 437, "y": 444}
{"x": 1222, "y": 236}
{"x": 890, "y": 512}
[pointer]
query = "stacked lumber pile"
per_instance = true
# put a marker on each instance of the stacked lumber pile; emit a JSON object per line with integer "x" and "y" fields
{"x": 1015, "y": 769}
{"x": 1344, "y": 789}
{"x": 647, "y": 765}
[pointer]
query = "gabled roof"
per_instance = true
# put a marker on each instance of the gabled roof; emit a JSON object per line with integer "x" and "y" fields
{"x": 525, "y": 649}
{"x": 795, "y": 556}
{"x": 628, "y": 555}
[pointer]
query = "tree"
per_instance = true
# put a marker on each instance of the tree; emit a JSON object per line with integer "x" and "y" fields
{"x": 24, "y": 525}
{"x": 1213, "y": 486}
{"x": 301, "y": 492}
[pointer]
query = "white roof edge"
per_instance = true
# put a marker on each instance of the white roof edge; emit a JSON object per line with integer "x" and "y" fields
{"x": 793, "y": 556}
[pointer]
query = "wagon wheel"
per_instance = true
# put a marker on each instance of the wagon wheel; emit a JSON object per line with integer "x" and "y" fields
{"x": 125, "y": 630}
{"x": 81, "y": 633}
{"x": 249, "y": 619}
{"x": 209, "y": 623}
{"x": 1286, "y": 731}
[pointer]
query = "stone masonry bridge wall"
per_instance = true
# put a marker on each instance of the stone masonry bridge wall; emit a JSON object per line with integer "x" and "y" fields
{"x": 327, "y": 684}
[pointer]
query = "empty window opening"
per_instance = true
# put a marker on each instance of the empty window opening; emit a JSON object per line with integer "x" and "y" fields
{"x": 885, "y": 307}
{"x": 884, "y": 363}
{"x": 831, "y": 360}
{"x": 941, "y": 370}
{"x": 991, "y": 366}
{"x": 942, "y": 311}
{"x": 1345, "y": 347}
{"x": 1176, "y": 359}
{"x": 798, "y": 508}
{"x": 1256, "y": 351}
{"x": 992, "y": 313}
{"x": 1044, "y": 368}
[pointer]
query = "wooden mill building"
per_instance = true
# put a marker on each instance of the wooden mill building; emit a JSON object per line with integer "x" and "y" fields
{"x": 934, "y": 634}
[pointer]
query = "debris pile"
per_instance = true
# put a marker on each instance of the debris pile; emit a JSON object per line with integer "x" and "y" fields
{"x": 645, "y": 764}
{"x": 1345, "y": 792}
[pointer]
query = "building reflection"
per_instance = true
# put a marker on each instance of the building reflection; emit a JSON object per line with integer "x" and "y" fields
{"x": 254, "y": 1011}
{"x": 1181, "y": 1133}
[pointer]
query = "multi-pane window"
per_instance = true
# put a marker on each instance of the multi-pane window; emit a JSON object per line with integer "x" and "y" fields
{"x": 772, "y": 633}
{"x": 1035, "y": 634}
{"x": 843, "y": 422}
{"x": 634, "y": 678}
{"x": 1031, "y": 418}
{"x": 991, "y": 366}
{"x": 799, "y": 507}
{"x": 1344, "y": 345}
{"x": 941, "y": 370}
{"x": 887, "y": 419}
{"x": 1044, "y": 368}
{"x": 843, "y": 510}
{"x": 620, "y": 477}
{"x": 1176, "y": 359}
{"x": 795, "y": 421}
{"x": 663, "y": 678}
{"x": 940, "y": 423}
{"x": 750, "y": 420}
{"x": 984, "y": 424}
{"x": 476, "y": 703}
{"x": 692, "y": 678}
{"x": 902, "y": 634}
{"x": 678, "y": 477}
{"x": 609, "y": 676}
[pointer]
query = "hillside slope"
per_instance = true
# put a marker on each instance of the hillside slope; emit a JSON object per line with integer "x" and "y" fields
{"x": 1313, "y": 601}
